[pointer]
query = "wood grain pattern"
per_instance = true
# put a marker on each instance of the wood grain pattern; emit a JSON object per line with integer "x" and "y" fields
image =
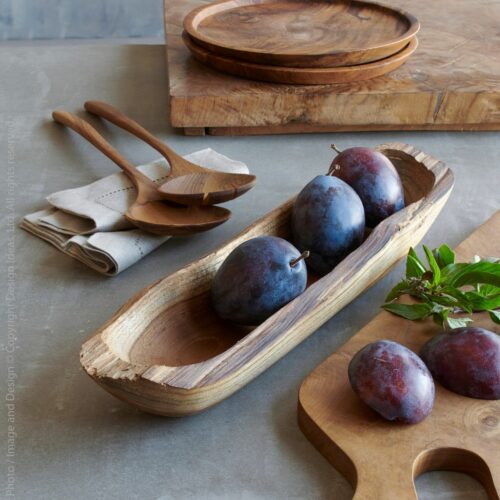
{"x": 379, "y": 458}
{"x": 188, "y": 183}
{"x": 301, "y": 76}
{"x": 451, "y": 82}
{"x": 300, "y": 33}
{"x": 149, "y": 212}
{"x": 167, "y": 352}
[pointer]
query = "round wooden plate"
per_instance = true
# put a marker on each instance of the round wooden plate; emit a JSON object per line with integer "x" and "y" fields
{"x": 301, "y": 33}
{"x": 300, "y": 76}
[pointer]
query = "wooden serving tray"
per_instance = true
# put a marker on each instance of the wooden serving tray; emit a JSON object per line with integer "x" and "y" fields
{"x": 381, "y": 459}
{"x": 167, "y": 352}
{"x": 301, "y": 33}
{"x": 300, "y": 76}
{"x": 452, "y": 82}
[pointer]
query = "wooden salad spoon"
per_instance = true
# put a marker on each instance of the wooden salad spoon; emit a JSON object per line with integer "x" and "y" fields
{"x": 188, "y": 184}
{"x": 148, "y": 212}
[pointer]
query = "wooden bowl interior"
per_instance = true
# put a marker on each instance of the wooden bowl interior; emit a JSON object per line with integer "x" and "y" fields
{"x": 185, "y": 329}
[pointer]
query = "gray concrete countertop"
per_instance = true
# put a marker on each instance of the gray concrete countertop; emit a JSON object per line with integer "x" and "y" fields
{"x": 74, "y": 441}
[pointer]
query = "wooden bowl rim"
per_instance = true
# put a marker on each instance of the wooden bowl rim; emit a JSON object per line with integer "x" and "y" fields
{"x": 191, "y": 22}
{"x": 164, "y": 374}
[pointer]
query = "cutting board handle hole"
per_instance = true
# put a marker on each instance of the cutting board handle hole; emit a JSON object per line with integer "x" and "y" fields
{"x": 457, "y": 460}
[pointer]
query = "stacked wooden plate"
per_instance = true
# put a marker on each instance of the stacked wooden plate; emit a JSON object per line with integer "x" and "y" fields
{"x": 301, "y": 41}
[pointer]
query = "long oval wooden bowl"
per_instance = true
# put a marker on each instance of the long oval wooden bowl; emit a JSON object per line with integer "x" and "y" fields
{"x": 166, "y": 352}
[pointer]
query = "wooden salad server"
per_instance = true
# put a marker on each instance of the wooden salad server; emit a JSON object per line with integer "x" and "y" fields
{"x": 188, "y": 184}
{"x": 148, "y": 212}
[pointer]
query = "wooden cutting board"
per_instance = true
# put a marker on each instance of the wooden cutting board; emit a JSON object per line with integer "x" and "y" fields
{"x": 452, "y": 82}
{"x": 379, "y": 458}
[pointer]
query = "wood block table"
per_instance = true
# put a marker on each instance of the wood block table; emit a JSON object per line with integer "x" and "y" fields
{"x": 452, "y": 82}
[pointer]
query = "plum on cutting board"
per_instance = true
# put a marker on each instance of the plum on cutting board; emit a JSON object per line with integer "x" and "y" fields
{"x": 393, "y": 381}
{"x": 466, "y": 361}
{"x": 257, "y": 278}
{"x": 328, "y": 220}
{"x": 373, "y": 176}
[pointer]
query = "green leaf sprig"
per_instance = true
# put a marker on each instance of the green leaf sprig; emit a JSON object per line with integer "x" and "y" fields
{"x": 447, "y": 288}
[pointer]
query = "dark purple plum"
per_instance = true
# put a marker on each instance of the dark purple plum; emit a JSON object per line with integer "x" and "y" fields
{"x": 393, "y": 381}
{"x": 373, "y": 176}
{"x": 466, "y": 361}
{"x": 328, "y": 220}
{"x": 257, "y": 278}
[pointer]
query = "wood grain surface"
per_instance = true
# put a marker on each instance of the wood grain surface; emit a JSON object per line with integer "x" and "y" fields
{"x": 167, "y": 352}
{"x": 451, "y": 82}
{"x": 300, "y": 76}
{"x": 299, "y": 33}
{"x": 379, "y": 458}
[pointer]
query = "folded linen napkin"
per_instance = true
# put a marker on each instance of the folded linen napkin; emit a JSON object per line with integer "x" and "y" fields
{"x": 88, "y": 224}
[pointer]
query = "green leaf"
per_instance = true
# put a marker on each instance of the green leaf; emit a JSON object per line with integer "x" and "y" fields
{"x": 458, "y": 322}
{"x": 409, "y": 311}
{"x": 460, "y": 297}
{"x": 401, "y": 288}
{"x": 486, "y": 290}
{"x": 444, "y": 300}
{"x": 414, "y": 266}
{"x": 458, "y": 275}
{"x": 495, "y": 316}
{"x": 480, "y": 302}
{"x": 439, "y": 320}
{"x": 446, "y": 256}
{"x": 436, "y": 271}
{"x": 440, "y": 315}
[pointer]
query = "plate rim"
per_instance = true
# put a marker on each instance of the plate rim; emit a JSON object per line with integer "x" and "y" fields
{"x": 211, "y": 44}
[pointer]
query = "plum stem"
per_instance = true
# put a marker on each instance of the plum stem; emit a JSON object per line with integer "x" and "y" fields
{"x": 302, "y": 256}
{"x": 334, "y": 167}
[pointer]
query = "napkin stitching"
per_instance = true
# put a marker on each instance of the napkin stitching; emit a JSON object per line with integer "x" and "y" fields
{"x": 138, "y": 245}
{"x": 113, "y": 192}
{"x": 110, "y": 208}
{"x": 161, "y": 178}
{"x": 116, "y": 191}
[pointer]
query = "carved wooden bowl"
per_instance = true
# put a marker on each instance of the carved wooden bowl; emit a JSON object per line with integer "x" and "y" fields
{"x": 166, "y": 352}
